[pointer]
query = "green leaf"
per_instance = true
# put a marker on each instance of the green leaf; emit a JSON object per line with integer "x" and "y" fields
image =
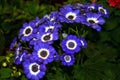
{"x": 111, "y": 24}
{"x": 24, "y": 78}
{"x": 2, "y": 58}
{"x": 115, "y": 35}
{"x": 108, "y": 52}
{"x": 104, "y": 36}
{"x": 5, "y": 72}
{"x": 2, "y": 41}
{"x": 59, "y": 75}
{"x": 86, "y": 73}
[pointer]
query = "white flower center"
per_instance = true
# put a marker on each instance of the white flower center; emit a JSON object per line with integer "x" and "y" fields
{"x": 27, "y": 31}
{"x": 101, "y": 9}
{"x": 71, "y": 16}
{"x": 92, "y": 20}
{"x": 43, "y": 53}
{"x": 67, "y": 58}
{"x": 51, "y": 28}
{"x": 71, "y": 44}
{"x": 47, "y": 37}
{"x": 91, "y": 7}
{"x": 34, "y": 68}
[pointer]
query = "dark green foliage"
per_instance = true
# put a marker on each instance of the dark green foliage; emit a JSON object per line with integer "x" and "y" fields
{"x": 99, "y": 61}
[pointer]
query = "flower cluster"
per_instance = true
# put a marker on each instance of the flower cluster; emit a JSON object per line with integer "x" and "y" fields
{"x": 34, "y": 45}
{"x": 114, "y": 3}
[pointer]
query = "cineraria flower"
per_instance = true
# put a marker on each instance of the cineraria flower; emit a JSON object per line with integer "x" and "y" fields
{"x": 69, "y": 15}
{"x": 19, "y": 58}
{"x": 82, "y": 8}
{"x": 34, "y": 70}
{"x": 56, "y": 56}
{"x": 27, "y": 31}
{"x": 91, "y": 7}
{"x": 49, "y": 27}
{"x": 53, "y": 17}
{"x": 83, "y": 42}
{"x": 103, "y": 11}
{"x": 94, "y": 20}
{"x": 47, "y": 37}
{"x": 44, "y": 53}
{"x": 14, "y": 41}
{"x": 18, "y": 49}
{"x": 36, "y": 21}
{"x": 71, "y": 44}
{"x": 67, "y": 59}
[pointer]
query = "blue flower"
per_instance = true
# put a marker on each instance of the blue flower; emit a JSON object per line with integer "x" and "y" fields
{"x": 47, "y": 37}
{"x": 83, "y": 42}
{"x": 91, "y": 8}
{"x": 34, "y": 70}
{"x": 44, "y": 53}
{"x": 53, "y": 16}
{"x": 18, "y": 49}
{"x": 94, "y": 20}
{"x": 67, "y": 59}
{"x": 27, "y": 31}
{"x": 14, "y": 41}
{"x": 19, "y": 58}
{"x": 69, "y": 15}
{"x": 49, "y": 27}
{"x": 56, "y": 56}
{"x": 71, "y": 44}
{"x": 103, "y": 11}
{"x": 82, "y": 8}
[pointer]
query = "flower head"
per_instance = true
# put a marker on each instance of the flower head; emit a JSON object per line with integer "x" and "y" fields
{"x": 47, "y": 37}
{"x": 14, "y": 41}
{"x": 53, "y": 17}
{"x": 27, "y": 31}
{"x": 69, "y": 15}
{"x": 67, "y": 59}
{"x": 83, "y": 42}
{"x": 71, "y": 44}
{"x": 44, "y": 53}
{"x": 94, "y": 20}
{"x": 49, "y": 27}
{"x": 103, "y": 11}
{"x": 34, "y": 70}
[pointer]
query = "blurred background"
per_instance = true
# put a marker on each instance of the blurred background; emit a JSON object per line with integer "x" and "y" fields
{"x": 101, "y": 58}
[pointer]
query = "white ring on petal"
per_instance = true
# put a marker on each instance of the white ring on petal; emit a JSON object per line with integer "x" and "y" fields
{"x": 24, "y": 31}
{"x": 75, "y": 44}
{"x": 105, "y": 12}
{"x": 49, "y": 27}
{"x": 91, "y": 7}
{"x": 82, "y": 42}
{"x": 94, "y": 19}
{"x": 67, "y": 56}
{"x": 52, "y": 19}
{"x": 51, "y": 37}
{"x": 21, "y": 58}
{"x": 30, "y": 68}
{"x": 71, "y": 14}
{"x": 43, "y": 49}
